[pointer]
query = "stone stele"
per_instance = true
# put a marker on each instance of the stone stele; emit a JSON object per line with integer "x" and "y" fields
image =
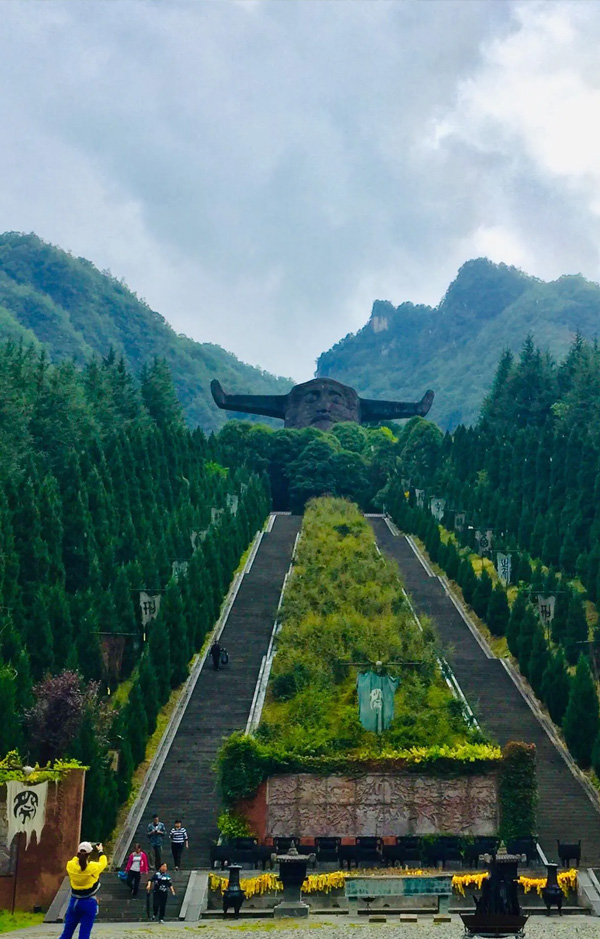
{"x": 321, "y": 403}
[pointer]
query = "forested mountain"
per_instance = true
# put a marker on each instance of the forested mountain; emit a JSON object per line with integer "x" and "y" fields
{"x": 454, "y": 347}
{"x": 104, "y": 494}
{"x": 65, "y": 303}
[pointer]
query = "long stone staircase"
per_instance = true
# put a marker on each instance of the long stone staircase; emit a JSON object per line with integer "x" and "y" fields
{"x": 565, "y": 810}
{"x": 220, "y": 703}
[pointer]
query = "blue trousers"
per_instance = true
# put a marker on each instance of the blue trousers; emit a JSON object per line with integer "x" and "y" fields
{"x": 80, "y": 912}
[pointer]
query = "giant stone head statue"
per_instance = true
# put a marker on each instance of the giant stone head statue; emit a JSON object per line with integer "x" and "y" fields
{"x": 321, "y": 403}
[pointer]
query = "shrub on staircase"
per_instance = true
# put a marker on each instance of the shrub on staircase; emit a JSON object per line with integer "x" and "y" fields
{"x": 518, "y": 791}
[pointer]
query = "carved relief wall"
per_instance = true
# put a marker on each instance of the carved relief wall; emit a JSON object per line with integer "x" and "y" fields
{"x": 380, "y": 804}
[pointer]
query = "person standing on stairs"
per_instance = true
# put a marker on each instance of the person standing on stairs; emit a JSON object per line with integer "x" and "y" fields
{"x": 156, "y": 833}
{"x": 84, "y": 877}
{"x": 179, "y": 841}
{"x": 215, "y": 654}
{"x": 160, "y": 883}
{"x": 137, "y": 864}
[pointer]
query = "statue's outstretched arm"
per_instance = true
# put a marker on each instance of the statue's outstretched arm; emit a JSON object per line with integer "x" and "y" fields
{"x": 266, "y": 405}
{"x": 392, "y": 410}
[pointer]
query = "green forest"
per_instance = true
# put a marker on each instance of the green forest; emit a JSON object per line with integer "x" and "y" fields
{"x": 454, "y": 347}
{"x": 67, "y": 306}
{"x": 105, "y": 493}
{"x": 528, "y": 477}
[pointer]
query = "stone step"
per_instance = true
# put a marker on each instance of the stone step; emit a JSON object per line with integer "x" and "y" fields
{"x": 220, "y": 704}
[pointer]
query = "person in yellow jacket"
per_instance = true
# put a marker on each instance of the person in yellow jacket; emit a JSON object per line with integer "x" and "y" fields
{"x": 84, "y": 876}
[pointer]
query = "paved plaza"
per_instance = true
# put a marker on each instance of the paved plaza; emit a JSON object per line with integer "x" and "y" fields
{"x": 538, "y": 927}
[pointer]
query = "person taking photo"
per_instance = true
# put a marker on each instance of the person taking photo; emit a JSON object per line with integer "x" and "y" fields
{"x": 84, "y": 877}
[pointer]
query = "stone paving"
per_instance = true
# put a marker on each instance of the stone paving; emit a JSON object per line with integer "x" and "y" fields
{"x": 539, "y": 927}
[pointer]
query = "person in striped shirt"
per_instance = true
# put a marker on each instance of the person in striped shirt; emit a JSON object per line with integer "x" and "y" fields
{"x": 179, "y": 840}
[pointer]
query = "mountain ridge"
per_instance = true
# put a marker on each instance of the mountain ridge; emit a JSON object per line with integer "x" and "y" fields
{"x": 454, "y": 347}
{"x": 50, "y": 298}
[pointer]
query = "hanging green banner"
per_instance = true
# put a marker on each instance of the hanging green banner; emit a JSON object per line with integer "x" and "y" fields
{"x": 376, "y": 700}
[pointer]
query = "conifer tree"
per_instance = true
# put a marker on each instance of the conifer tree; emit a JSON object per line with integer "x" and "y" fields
{"x": 596, "y": 756}
{"x": 149, "y": 690}
{"x": 38, "y": 636}
{"x": 538, "y": 660}
{"x": 10, "y": 730}
{"x": 172, "y": 618}
{"x": 136, "y": 724}
{"x": 561, "y": 610}
{"x": 515, "y": 620}
{"x": 524, "y": 573}
{"x": 498, "y": 611}
{"x": 482, "y": 593}
{"x": 555, "y": 686}
{"x": 59, "y": 616}
{"x": 581, "y": 719}
{"x": 467, "y": 579}
{"x": 527, "y": 631}
{"x": 576, "y": 632}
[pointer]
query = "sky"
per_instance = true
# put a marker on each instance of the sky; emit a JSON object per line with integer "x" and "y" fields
{"x": 261, "y": 171}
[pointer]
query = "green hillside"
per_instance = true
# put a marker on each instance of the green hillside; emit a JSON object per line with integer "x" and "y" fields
{"x": 454, "y": 347}
{"x": 49, "y": 297}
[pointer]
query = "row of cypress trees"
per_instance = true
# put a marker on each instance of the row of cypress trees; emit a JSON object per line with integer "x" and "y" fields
{"x": 102, "y": 489}
{"x": 572, "y": 700}
{"x": 530, "y": 469}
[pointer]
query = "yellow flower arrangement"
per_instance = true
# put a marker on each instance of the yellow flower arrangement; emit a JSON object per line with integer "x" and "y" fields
{"x": 314, "y": 883}
{"x": 460, "y": 881}
{"x": 252, "y": 886}
{"x": 567, "y": 880}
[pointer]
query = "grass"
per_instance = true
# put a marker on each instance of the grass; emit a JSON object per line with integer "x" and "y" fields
{"x": 343, "y": 604}
{"x": 19, "y": 920}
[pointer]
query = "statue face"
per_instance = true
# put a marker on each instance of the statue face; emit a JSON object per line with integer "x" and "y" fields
{"x": 321, "y": 403}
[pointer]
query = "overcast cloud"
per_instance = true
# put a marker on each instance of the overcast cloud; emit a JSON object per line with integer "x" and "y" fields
{"x": 261, "y": 171}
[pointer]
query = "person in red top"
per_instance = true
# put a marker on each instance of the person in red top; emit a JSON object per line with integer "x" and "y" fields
{"x": 137, "y": 864}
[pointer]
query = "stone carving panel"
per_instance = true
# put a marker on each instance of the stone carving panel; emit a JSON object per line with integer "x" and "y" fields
{"x": 341, "y": 820}
{"x": 282, "y": 789}
{"x": 283, "y": 820}
{"x": 313, "y": 820}
{"x": 341, "y": 791}
{"x": 381, "y": 804}
{"x": 312, "y": 789}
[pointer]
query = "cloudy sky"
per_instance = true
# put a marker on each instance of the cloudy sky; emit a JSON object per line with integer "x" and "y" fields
{"x": 262, "y": 170}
